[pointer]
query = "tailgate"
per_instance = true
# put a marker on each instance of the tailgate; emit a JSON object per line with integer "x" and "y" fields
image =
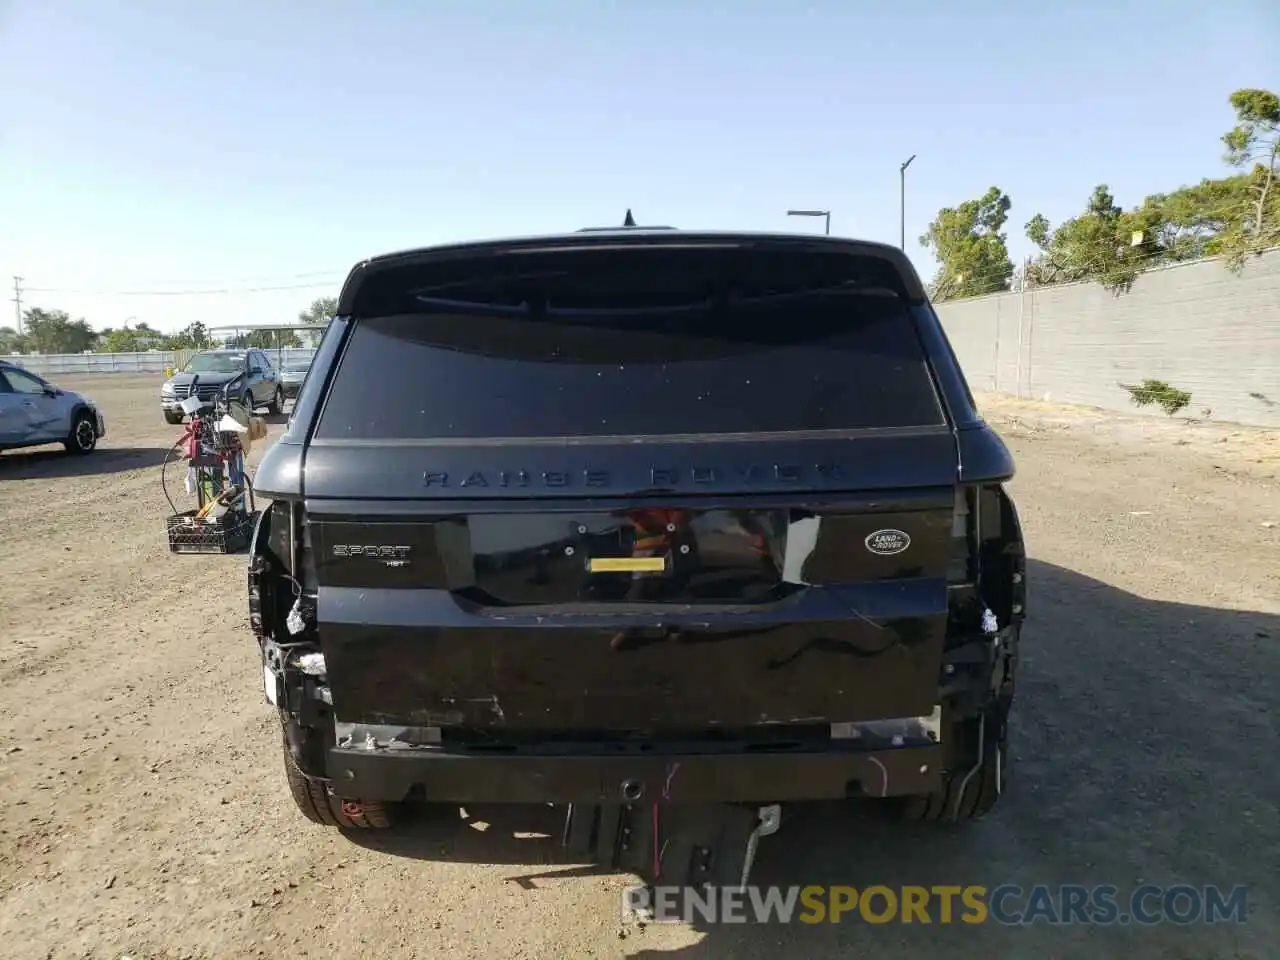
{"x": 633, "y": 490}
{"x": 680, "y": 617}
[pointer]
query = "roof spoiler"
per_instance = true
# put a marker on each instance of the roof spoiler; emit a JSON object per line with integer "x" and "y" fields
{"x": 382, "y": 276}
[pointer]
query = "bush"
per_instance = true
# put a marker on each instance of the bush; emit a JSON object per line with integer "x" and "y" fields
{"x": 1169, "y": 398}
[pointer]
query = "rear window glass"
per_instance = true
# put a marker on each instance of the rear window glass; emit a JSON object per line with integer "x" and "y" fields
{"x": 636, "y": 343}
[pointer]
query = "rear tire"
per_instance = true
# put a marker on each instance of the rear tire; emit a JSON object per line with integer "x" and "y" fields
{"x": 84, "y": 434}
{"x": 174, "y": 418}
{"x": 276, "y": 406}
{"x": 978, "y": 770}
{"x": 320, "y": 806}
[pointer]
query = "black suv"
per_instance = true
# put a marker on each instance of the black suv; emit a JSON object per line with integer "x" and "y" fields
{"x": 254, "y": 381}
{"x": 668, "y": 528}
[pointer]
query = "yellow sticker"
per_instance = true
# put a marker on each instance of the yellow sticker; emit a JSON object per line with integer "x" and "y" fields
{"x": 627, "y": 564}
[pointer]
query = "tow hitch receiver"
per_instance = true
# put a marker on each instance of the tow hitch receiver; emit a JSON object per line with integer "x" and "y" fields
{"x": 672, "y": 844}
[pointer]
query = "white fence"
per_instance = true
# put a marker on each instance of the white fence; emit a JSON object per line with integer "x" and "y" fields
{"x": 152, "y": 361}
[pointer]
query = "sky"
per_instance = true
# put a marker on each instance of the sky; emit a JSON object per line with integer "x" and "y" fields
{"x": 227, "y": 163}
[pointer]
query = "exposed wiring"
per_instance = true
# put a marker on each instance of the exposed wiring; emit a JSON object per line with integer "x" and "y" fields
{"x": 657, "y": 846}
{"x": 167, "y": 457}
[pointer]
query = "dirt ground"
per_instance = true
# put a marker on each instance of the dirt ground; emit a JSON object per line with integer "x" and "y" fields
{"x": 144, "y": 813}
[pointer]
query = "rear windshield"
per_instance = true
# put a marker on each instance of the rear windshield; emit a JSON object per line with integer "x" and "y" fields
{"x": 636, "y": 343}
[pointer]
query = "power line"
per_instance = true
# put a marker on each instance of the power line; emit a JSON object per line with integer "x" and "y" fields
{"x": 268, "y": 281}
{"x": 219, "y": 291}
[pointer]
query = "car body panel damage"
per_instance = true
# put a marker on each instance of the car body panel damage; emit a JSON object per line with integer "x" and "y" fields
{"x": 667, "y": 528}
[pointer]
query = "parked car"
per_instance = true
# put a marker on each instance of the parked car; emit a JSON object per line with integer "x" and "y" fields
{"x": 253, "y": 380}
{"x": 642, "y": 523}
{"x": 292, "y": 376}
{"x": 33, "y": 412}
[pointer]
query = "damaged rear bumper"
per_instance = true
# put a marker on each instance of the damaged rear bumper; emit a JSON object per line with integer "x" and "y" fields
{"x": 873, "y": 758}
{"x": 881, "y": 759}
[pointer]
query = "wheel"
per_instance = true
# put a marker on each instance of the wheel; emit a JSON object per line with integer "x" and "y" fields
{"x": 277, "y": 403}
{"x": 84, "y": 434}
{"x": 171, "y": 417}
{"x": 977, "y": 772}
{"x": 320, "y": 806}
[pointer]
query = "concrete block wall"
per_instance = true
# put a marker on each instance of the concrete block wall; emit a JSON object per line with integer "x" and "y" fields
{"x": 1196, "y": 326}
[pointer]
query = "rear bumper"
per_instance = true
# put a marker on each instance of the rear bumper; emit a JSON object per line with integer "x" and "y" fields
{"x": 99, "y": 424}
{"x": 676, "y": 777}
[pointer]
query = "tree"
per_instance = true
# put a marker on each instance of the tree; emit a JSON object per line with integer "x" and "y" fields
{"x": 1038, "y": 231}
{"x": 194, "y": 336}
{"x": 1231, "y": 216}
{"x": 1104, "y": 243}
{"x": 321, "y": 310}
{"x": 971, "y": 249}
{"x": 269, "y": 339}
{"x": 130, "y": 339}
{"x": 53, "y": 331}
{"x": 1253, "y": 146}
{"x": 1196, "y": 218}
{"x": 11, "y": 341}
{"x": 264, "y": 339}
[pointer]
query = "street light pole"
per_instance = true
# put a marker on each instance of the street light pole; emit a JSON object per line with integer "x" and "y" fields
{"x": 825, "y": 214}
{"x": 902, "y": 201}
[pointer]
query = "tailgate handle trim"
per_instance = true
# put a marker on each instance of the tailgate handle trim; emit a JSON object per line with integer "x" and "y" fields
{"x": 627, "y": 565}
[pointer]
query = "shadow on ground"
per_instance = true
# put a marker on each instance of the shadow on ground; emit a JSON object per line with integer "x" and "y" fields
{"x": 42, "y": 463}
{"x": 1144, "y": 744}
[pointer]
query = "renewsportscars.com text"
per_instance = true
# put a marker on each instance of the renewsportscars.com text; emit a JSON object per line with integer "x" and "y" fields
{"x": 1007, "y": 904}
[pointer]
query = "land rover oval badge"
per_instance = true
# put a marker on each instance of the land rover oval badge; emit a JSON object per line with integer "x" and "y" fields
{"x": 888, "y": 542}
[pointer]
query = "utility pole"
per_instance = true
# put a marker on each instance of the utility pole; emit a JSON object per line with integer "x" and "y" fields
{"x": 17, "y": 302}
{"x": 902, "y": 200}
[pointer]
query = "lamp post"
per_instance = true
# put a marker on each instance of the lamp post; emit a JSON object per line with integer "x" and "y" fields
{"x": 902, "y": 201}
{"x": 825, "y": 214}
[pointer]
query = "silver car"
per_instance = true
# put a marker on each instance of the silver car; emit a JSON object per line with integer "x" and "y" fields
{"x": 34, "y": 412}
{"x": 292, "y": 376}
